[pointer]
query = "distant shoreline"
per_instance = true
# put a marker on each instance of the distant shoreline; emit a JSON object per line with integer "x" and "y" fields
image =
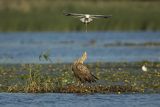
{"x": 47, "y": 15}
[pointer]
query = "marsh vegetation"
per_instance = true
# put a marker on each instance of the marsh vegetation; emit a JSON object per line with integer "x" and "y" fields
{"x": 47, "y": 15}
{"x": 113, "y": 78}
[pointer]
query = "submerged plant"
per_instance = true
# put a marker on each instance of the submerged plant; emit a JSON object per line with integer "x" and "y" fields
{"x": 45, "y": 55}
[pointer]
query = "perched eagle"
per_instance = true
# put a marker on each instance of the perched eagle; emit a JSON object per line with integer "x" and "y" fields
{"x": 81, "y": 71}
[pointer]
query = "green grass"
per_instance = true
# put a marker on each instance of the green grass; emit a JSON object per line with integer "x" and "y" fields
{"x": 113, "y": 78}
{"x": 47, "y": 15}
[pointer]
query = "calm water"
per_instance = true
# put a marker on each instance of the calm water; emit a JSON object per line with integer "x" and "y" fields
{"x": 72, "y": 100}
{"x": 24, "y": 47}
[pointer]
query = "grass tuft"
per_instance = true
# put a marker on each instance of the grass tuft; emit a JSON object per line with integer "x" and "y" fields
{"x": 113, "y": 78}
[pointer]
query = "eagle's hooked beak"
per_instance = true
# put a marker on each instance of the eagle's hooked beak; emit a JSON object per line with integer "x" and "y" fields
{"x": 83, "y": 58}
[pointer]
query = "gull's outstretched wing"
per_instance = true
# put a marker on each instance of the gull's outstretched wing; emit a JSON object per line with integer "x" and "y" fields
{"x": 101, "y": 16}
{"x": 73, "y": 14}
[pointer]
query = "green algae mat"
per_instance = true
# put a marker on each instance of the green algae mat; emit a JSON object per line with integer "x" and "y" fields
{"x": 119, "y": 77}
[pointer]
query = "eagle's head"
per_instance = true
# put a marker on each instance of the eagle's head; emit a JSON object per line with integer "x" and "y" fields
{"x": 81, "y": 59}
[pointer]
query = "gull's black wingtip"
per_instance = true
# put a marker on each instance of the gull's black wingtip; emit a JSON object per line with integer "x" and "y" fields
{"x": 66, "y": 13}
{"x": 109, "y": 16}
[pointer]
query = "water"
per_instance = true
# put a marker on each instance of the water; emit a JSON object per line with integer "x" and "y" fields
{"x": 25, "y": 47}
{"x": 72, "y": 100}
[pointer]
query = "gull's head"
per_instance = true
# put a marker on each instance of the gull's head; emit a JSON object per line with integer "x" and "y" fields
{"x": 87, "y": 16}
{"x": 144, "y": 68}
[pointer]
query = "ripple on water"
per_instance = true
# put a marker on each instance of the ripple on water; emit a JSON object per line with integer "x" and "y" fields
{"x": 78, "y": 100}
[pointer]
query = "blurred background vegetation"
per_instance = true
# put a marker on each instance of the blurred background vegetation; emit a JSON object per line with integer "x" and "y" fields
{"x": 47, "y": 15}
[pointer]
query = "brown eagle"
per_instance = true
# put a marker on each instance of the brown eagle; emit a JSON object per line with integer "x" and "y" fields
{"x": 81, "y": 71}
